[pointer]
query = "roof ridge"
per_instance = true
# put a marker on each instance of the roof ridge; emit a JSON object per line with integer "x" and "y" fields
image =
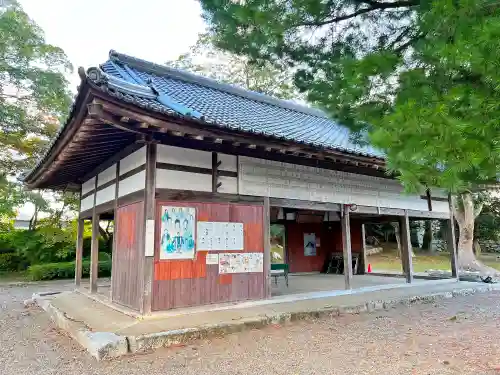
{"x": 163, "y": 70}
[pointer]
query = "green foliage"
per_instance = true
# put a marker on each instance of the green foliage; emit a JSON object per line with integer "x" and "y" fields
{"x": 47, "y": 244}
{"x": 33, "y": 98}
{"x": 207, "y": 60}
{"x": 65, "y": 270}
{"x": 487, "y": 227}
{"x": 9, "y": 262}
{"x": 420, "y": 78}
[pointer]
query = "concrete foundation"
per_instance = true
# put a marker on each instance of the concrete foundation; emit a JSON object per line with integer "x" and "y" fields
{"x": 107, "y": 333}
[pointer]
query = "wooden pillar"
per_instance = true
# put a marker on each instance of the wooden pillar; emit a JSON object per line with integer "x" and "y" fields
{"x": 452, "y": 243}
{"x": 267, "y": 248}
{"x": 148, "y": 233}
{"x": 79, "y": 252}
{"x": 406, "y": 249}
{"x": 94, "y": 252}
{"x": 94, "y": 247}
{"x": 363, "y": 250}
{"x": 346, "y": 246}
{"x": 215, "y": 172}
{"x": 115, "y": 225}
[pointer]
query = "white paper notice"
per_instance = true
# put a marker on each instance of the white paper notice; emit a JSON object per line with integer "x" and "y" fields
{"x": 149, "y": 250}
{"x": 212, "y": 258}
{"x": 219, "y": 236}
{"x": 241, "y": 262}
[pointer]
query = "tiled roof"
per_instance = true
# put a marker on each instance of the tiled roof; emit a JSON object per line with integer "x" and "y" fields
{"x": 177, "y": 92}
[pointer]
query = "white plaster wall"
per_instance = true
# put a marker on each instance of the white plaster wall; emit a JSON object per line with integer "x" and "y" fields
{"x": 106, "y": 175}
{"x": 282, "y": 180}
{"x": 228, "y": 163}
{"x": 87, "y": 203}
{"x": 167, "y": 179}
{"x": 439, "y": 206}
{"x": 88, "y": 185}
{"x": 132, "y": 183}
{"x": 184, "y": 156}
{"x": 229, "y": 185}
{"x": 134, "y": 160}
{"x": 105, "y": 195}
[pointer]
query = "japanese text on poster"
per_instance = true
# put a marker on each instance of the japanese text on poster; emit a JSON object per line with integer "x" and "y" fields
{"x": 213, "y": 235}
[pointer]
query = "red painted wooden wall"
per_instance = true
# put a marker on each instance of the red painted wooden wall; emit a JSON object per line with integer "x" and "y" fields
{"x": 330, "y": 236}
{"x": 181, "y": 283}
{"x": 128, "y": 257}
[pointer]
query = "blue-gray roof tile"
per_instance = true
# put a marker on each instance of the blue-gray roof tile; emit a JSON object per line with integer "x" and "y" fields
{"x": 232, "y": 107}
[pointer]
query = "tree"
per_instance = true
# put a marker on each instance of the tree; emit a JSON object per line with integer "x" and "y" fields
{"x": 487, "y": 226}
{"x": 34, "y": 96}
{"x": 203, "y": 58}
{"x": 420, "y": 77}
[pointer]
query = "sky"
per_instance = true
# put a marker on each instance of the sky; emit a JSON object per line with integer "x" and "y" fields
{"x": 154, "y": 30}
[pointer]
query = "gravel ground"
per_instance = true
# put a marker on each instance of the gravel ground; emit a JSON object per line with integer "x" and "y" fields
{"x": 456, "y": 336}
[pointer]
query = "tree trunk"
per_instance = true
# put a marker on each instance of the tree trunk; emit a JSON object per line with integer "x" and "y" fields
{"x": 465, "y": 218}
{"x": 398, "y": 237}
{"x": 427, "y": 240}
{"x": 34, "y": 219}
{"x": 477, "y": 248}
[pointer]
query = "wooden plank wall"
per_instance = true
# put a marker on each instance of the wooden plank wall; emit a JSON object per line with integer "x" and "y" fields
{"x": 128, "y": 256}
{"x": 330, "y": 236}
{"x": 181, "y": 283}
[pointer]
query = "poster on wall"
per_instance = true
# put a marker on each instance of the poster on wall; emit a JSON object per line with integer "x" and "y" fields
{"x": 309, "y": 244}
{"x": 213, "y": 235}
{"x": 241, "y": 262}
{"x": 177, "y": 232}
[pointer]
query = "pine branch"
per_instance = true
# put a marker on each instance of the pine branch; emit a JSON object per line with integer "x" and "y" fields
{"x": 374, "y": 5}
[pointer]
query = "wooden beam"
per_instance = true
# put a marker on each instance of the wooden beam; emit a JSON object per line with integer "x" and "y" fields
{"x": 406, "y": 250}
{"x": 428, "y": 214}
{"x": 96, "y": 111}
{"x": 363, "y": 249}
{"x": 79, "y": 252}
{"x": 115, "y": 225}
{"x": 304, "y": 205}
{"x": 215, "y": 169}
{"x": 227, "y": 134}
{"x": 94, "y": 248}
{"x": 346, "y": 245}
{"x": 148, "y": 231}
{"x": 267, "y": 248}
{"x": 429, "y": 199}
{"x": 452, "y": 243}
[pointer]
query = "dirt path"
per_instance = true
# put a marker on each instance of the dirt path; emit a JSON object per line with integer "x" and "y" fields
{"x": 457, "y": 336}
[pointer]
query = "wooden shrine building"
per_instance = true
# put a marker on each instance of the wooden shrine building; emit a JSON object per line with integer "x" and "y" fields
{"x": 193, "y": 172}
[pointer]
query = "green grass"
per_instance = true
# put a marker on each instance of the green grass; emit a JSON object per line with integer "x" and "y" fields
{"x": 8, "y": 277}
{"x": 388, "y": 261}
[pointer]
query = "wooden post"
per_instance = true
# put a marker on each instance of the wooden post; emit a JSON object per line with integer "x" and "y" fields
{"x": 267, "y": 248}
{"x": 94, "y": 252}
{"x": 363, "y": 249}
{"x": 94, "y": 248}
{"x": 215, "y": 172}
{"x": 451, "y": 242}
{"x": 346, "y": 246}
{"x": 148, "y": 233}
{"x": 79, "y": 252}
{"x": 406, "y": 249}
{"x": 115, "y": 225}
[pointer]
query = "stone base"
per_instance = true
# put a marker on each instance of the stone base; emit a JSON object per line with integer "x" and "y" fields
{"x": 140, "y": 336}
